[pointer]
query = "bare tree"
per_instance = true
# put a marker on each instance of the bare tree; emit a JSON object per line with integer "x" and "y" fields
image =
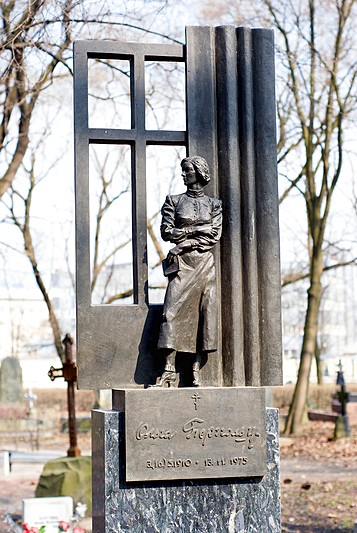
{"x": 111, "y": 237}
{"x": 111, "y": 179}
{"x": 321, "y": 78}
{"x": 35, "y": 47}
{"x": 21, "y": 217}
{"x": 35, "y": 51}
{"x": 316, "y": 75}
{"x": 29, "y": 33}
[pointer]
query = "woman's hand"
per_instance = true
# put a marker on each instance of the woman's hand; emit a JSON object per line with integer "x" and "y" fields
{"x": 173, "y": 253}
{"x": 177, "y": 250}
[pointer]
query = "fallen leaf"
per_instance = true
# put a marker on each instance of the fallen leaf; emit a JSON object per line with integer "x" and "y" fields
{"x": 328, "y": 487}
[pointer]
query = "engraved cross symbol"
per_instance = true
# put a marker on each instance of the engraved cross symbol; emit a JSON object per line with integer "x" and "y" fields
{"x": 195, "y": 397}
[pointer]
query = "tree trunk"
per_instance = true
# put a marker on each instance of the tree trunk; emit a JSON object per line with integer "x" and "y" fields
{"x": 30, "y": 252}
{"x": 21, "y": 148}
{"x": 298, "y": 408}
{"x": 319, "y": 375}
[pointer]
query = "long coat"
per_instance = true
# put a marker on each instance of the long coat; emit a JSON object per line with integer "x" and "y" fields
{"x": 189, "y": 322}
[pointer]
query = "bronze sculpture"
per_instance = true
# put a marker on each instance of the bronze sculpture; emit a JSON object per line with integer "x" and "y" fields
{"x": 193, "y": 222}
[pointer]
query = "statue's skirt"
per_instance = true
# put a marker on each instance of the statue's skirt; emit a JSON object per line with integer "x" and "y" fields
{"x": 189, "y": 322}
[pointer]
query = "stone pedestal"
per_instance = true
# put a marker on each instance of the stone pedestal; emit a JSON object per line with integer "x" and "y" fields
{"x": 197, "y": 506}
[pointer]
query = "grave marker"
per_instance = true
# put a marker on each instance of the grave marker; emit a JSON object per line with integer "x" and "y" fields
{"x": 139, "y": 447}
{"x": 11, "y": 388}
{"x": 49, "y": 512}
{"x": 4, "y": 463}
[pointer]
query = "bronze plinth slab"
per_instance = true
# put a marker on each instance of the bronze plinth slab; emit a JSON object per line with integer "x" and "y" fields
{"x": 193, "y": 433}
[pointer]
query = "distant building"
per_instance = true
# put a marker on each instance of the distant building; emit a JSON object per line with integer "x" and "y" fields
{"x": 25, "y": 328}
{"x": 337, "y": 329}
{"x": 26, "y": 333}
{"x": 24, "y": 323}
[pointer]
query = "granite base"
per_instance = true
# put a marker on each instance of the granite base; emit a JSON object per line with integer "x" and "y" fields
{"x": 190, "y": 506}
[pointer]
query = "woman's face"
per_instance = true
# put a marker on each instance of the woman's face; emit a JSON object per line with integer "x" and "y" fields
{"x": 189, "y": 174}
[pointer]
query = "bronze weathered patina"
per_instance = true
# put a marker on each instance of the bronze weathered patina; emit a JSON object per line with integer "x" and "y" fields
{"x": 207, "y": 437}
{"x": 193, "y": 222}
{"x": 231, "y": 115}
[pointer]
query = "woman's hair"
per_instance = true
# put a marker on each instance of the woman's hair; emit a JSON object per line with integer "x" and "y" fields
{"x": 201, "y": 167}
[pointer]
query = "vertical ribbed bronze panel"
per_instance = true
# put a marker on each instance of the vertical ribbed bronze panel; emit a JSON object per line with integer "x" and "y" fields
{"x": 249, "y": 214}
{"x": 266, "y": 185}
{"x": 201, "y": 98}
{"x": 230, "y": 73}
{"x": 202, "y": 139}
{"x": 228, "y": 171}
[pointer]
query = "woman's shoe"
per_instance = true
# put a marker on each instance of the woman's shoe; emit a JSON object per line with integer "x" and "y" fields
{"x": 196, "y": 378}
{"x": 169, "y": 377}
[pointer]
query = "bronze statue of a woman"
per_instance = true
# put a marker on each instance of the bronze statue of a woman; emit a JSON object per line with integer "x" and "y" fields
{"x": 193, "y": 222}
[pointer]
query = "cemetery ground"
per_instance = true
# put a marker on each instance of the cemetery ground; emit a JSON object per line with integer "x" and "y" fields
{"x": 318, "y": 475}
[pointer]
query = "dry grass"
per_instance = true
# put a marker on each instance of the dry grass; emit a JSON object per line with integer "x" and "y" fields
{"x": 324, "y": 508}
{"x": 320, "y": 396}
{"x": 57, "y": 399}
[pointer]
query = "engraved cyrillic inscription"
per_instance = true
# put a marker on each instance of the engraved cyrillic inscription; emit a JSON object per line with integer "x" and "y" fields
{"x": 194, "y": 429}
{"x": 178, "y": 434}
{"x": 144, "y": 432}
{"x": 187, "y": 463}
{"x": 169, "y": 463}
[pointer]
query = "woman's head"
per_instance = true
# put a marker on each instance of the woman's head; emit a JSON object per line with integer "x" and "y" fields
{"x": 201, "y": 167}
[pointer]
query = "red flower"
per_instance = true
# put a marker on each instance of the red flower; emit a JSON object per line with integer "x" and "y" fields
{"x": 28, "y": 529}
{"x": 78, "y": 529}
{"x": 64, "y": 526}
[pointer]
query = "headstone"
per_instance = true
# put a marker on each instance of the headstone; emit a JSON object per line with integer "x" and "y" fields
{"x": 4, "y": 463}
{"x": 31, "y": 399}
{"x": 193, "y": 434}
{"x": 67, "y": 476}
{"x": 342, "y": 428}
{"x": 11, "y": 390}
{"x": 48, "y": 512}
{"x": 199, "y": 453}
